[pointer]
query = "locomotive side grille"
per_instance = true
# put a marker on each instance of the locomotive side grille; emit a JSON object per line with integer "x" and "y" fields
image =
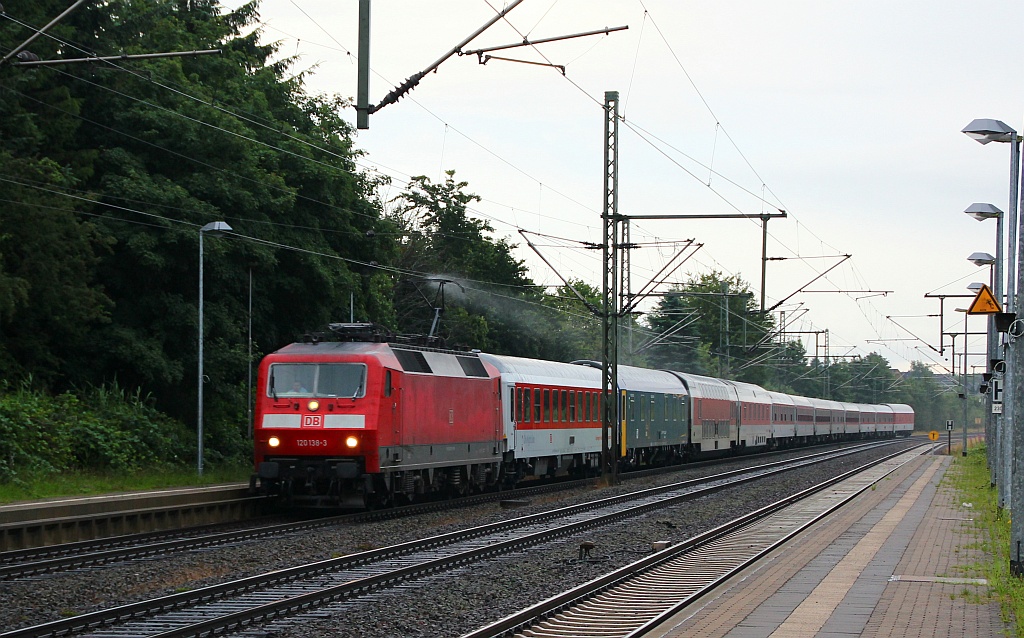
{"x": 472, "y": 366}
{"x": 413, "y": 361}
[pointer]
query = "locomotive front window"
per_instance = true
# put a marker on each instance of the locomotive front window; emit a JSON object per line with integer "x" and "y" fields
{"x": 317, "y": 380}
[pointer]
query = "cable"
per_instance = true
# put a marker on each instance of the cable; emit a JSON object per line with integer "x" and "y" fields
{"x": 496, "y": 220}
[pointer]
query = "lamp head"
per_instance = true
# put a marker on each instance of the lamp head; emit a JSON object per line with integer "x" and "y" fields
{"x": 981, "y": 212}
{"x": 215, "y": 229}
{"x": 986, "y": 130}
{"x": 981, "y": 259}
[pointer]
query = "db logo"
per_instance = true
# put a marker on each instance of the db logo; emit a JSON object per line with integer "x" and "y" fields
{"x": 312, "y": 420}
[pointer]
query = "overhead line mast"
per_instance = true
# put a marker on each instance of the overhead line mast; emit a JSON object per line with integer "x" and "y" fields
{"x": 610, "y": 318}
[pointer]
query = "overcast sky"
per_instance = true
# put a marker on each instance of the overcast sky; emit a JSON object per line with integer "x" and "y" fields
{"x": 847, "y": 115}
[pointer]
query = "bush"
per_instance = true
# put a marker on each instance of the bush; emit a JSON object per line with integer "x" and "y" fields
{"x": 104, "y": 429}
{"x": 128, "y": 433}
{"x": 31, "y": 438}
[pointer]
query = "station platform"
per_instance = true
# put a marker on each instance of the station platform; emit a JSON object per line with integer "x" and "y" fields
{"x": 891, "y": 563}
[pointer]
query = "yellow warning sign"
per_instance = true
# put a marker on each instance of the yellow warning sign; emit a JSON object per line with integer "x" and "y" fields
{"x": 933, "y": 436}
{"x": 985, "y": 303}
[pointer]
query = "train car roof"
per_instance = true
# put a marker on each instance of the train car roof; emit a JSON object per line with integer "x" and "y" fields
{"x": 750, "y": 392}
{"x": 323, "y": 350}
{"x": 333, "y": 347}
{"x": 442, "y": 363}
{"x": 781, "y": 398}
{"x": 646, "y": 380}
{"x": 706, "y": 387}
{"x": 900, "y": 408}
{"x": 871, "y": 407}
{"x": 519, "y": 369}
{"x": 825, "y": 404}
{"x": 637, "y": 379}
{"x": 801, "y": 401}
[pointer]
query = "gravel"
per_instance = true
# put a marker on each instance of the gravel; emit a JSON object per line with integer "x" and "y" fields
{"x": 447, "y": 604}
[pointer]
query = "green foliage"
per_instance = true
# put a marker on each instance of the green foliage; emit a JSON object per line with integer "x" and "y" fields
{"x": 124, "y": 432}
{"x": 935, "y": 399}
{"x": 104, "y": 429}
{"x": 110, "y": 170}
{"x": 447, "y": 240}
{"x": 49, "y": 296}
{"x": 30, "y": 443}
{"x": 970, "y": 478}
{"x": 575, "y": 330}
{"x": 467, "y": 270}
{"x": 714, "y": 311}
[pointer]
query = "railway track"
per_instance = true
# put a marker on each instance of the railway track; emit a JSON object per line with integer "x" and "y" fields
{"x": 50, "y": 559}
{"x": 634, "y": 599}
{"x": 92, "y": 553}
{"x": 230, "y": 606}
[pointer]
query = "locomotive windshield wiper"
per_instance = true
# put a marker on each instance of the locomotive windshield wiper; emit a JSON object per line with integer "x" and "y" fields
{"x": 358, "y": 388}
{"x": 273, "y": 392}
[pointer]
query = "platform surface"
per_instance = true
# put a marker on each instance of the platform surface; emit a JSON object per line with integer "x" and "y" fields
{"x": 892, "y": 563}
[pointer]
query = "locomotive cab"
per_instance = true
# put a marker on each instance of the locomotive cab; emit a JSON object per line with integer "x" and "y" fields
{"x": 317, "y": 425}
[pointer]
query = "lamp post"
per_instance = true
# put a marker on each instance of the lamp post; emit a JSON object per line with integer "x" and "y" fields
{"x": 993, "y": 422}
{"x": 985, "y": 131}
{"x": 963, "y": 382}
{"x": 985, "y": 259}
{"x": 215, "y": 229}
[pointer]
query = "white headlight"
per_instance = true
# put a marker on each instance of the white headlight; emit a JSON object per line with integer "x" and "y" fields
{"x": 273, "y": 441}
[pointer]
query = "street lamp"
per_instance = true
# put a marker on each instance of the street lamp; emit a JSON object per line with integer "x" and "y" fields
{"x": 981, "y": 212}
{"x": 981, "y": 259}
{"x": 985, "y": 131}
{"x": 215, "y": 229}
{"x": 994, "y": 438}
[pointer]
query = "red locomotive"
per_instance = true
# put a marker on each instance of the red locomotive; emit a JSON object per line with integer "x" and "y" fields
{"x": 355, "y": 423}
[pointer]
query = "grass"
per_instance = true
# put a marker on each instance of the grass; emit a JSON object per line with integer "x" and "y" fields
{"x": 90, "y": 483}
{"x": 970, "y": 477}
